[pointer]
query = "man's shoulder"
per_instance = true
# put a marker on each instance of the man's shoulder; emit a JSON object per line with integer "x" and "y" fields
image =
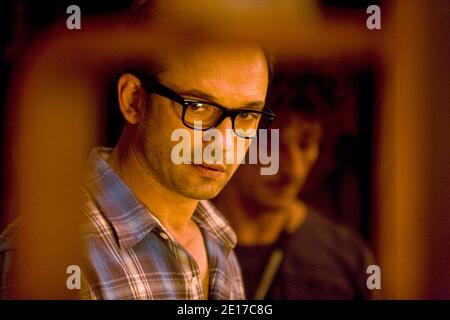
{"x": 334, "y": 239}
{"x": 331, "y": 230}
{"x": 9, "y": 236}
{"x": 8, "y": 246}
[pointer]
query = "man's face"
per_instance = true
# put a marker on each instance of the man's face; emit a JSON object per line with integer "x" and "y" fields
{"x": 299, "y": 149}
{"x": 230, "y": 76}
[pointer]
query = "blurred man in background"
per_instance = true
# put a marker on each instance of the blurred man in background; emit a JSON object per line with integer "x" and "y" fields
{"x": 285, "y": 248}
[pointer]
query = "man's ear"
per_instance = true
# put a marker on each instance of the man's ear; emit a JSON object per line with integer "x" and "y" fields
{"x": 132, "y": 98}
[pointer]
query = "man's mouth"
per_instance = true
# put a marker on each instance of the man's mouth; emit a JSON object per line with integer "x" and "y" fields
{"x": 215, "y": 167}
{"x": 211, "y": 170}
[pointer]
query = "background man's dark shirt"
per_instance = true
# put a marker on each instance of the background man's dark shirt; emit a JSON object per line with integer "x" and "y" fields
{"x": 323, "y": 261}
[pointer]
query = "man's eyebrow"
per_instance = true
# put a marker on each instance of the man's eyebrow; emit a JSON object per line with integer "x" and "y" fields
{"x": 199, "y": 94}
{"x": 258, "y": 105}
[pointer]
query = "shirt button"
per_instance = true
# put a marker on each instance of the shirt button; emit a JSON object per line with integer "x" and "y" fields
{"x": 163, "y": 235}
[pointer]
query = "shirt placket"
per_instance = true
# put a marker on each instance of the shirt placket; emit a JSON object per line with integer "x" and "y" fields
{"x": 189, "y": 268}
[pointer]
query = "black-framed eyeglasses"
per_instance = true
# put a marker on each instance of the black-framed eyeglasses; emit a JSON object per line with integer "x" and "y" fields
{"x": 245, "y": 122}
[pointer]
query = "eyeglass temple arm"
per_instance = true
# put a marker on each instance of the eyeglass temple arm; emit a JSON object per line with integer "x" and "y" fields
{"x": 154, "y": 86}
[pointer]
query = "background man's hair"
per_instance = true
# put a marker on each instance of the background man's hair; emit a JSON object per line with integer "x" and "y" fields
{"x": 311, "y": 94}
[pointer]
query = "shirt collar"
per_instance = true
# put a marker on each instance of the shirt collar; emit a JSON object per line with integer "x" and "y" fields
{"x": 130, "y": 219}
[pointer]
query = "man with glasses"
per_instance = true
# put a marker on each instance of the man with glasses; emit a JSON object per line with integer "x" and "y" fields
{"x": 150, "y": 233}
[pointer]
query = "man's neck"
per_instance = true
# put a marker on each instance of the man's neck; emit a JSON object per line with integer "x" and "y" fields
{"x": 171, "y": 209}
{"x": 260, "y": 226}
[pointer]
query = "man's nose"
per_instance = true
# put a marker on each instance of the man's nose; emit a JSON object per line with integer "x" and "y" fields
{"x": 227, "y": 142}
{"x": 226, "y": 123}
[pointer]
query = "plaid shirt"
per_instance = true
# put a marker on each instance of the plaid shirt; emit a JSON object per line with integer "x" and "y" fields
{"x": 130, "y": 255}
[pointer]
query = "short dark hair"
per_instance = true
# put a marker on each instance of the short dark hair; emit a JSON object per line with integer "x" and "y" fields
{"x": 311, "y": 94}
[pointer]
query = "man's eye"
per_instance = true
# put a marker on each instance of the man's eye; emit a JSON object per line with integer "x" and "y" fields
{"x": 247, "y": 116}
{"x": 198, "y": 107}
